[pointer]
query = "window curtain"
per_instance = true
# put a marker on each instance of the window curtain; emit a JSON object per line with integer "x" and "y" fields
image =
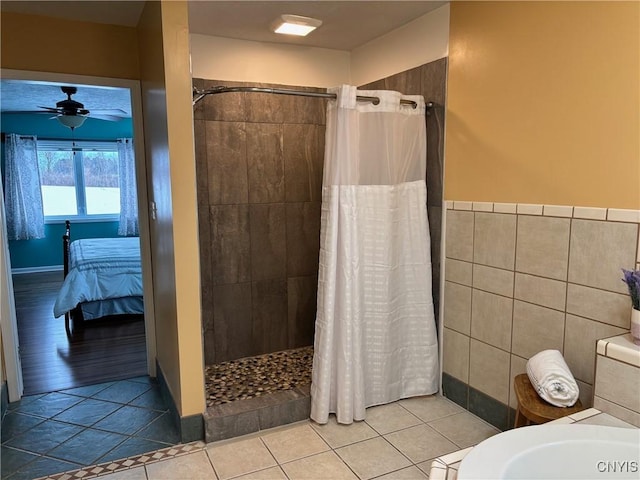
{"x": 375, "y": 337}
{"x": 128, "y": 225}
{"x": 23, "y": 196}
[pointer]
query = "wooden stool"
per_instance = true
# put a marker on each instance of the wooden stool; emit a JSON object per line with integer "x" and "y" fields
{"x": 533, "y": 408}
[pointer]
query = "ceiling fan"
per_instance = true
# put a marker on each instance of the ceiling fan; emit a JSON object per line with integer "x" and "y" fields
{"x": 72, "y": 114}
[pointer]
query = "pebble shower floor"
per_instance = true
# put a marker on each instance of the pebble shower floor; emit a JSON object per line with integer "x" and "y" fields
{"x": 256, "y": 376}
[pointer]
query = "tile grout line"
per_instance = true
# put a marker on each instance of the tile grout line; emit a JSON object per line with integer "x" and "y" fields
{"x": 513, "y": 312}
{"x": 473, "y": 262}
{"x": 202, "y": 446}
{"x": 85, "y": 428}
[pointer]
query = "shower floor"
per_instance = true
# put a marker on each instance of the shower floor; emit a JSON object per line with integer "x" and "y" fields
{"x": 258, "y": 376}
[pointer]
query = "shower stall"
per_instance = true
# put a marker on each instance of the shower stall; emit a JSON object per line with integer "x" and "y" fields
{"x": 259, "y": 161}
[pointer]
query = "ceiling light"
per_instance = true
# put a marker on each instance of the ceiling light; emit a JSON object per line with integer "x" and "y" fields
{"x": 71, "y": 121}
{"x": 295, "y": 25}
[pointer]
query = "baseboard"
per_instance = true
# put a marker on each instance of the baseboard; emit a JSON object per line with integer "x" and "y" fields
{"x": 190, "y": 428}
{"x": 46, "y": 268}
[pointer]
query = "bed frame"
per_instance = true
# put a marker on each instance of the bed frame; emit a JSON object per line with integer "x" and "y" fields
{"x": 72, "y": 319}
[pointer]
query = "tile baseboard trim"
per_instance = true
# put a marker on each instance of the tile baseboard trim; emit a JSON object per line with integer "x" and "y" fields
{"x": 489, "y": 409}
{"x": 191, "y": 427}
{"x": 562, "y": 211}
{"x": 128, "y": 463}
{"x": 455, "y": 390}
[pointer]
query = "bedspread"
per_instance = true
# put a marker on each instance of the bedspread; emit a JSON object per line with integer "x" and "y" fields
{"x": 99, "y": 269}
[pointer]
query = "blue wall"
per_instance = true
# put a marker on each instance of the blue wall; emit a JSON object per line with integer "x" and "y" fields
{"x": 46, "y": 127}
{"x": 48, "y": 251}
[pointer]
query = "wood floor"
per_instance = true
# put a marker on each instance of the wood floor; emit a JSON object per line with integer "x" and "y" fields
{"x": 50, "y": 361}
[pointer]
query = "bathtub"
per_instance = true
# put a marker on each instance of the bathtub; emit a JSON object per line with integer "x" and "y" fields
{"x": 556, "y": 452}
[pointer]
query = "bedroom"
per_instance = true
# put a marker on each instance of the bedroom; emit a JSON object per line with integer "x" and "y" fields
{"x": 81, "y": 182}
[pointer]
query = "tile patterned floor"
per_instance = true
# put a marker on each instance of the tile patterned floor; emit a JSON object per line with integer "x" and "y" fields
{"x": 69, "y": 429}
{"x": 252, "y": 377}
{"x": 396, "y": 441}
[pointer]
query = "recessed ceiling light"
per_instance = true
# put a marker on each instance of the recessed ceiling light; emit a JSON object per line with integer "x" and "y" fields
{"x": 295, "y": 25}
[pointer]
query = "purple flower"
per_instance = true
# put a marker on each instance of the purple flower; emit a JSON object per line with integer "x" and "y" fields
{"x": 632, "y": 279}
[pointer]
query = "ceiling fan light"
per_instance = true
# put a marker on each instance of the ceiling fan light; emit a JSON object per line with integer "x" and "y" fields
{"x": 71, "y": 121}
{"x": 295, "y": 25}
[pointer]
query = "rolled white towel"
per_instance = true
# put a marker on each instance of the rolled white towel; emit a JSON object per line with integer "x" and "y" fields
{"x": 552, "y": 379}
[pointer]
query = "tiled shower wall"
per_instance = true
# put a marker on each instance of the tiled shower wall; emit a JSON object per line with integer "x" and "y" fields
{"x": 524, "y": 278}
{"x": 259, "y": 166}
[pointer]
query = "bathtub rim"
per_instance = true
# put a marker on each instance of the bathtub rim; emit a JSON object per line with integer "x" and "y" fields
{"x": 491, "y": 457}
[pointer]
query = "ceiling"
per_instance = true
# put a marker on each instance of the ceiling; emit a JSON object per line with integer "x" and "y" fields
{"x": 27, "y": 96}
{"x": 346, "y": 25}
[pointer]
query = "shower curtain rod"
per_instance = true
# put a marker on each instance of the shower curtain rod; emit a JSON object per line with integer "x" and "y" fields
{"x": 200, "y": 94}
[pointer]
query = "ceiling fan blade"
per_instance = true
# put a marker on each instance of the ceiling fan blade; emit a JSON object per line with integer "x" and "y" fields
{"x": 117, "y": 112}
{"x": 28, "y": 112}
{"x": 111, "y": 118}
{"x": 50, "y": 109}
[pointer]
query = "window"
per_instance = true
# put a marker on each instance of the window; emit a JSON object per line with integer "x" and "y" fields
{"x": 79, "y": 179}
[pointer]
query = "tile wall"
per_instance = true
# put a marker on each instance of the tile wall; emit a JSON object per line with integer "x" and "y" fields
{"x": 524, "y": 278}
{"x": 617, "y": 382}
{"x": 259, "y": 164}
{"x": 259, "y": 161}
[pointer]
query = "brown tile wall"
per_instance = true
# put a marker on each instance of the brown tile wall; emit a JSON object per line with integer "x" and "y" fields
{"x": 259, "y": 164}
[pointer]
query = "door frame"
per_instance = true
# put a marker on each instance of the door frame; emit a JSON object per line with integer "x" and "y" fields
{"x": 9, "y": 323}
{"x": 9, "y": 331}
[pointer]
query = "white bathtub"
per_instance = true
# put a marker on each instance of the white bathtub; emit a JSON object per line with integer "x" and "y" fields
{"x": 556, "y": 452}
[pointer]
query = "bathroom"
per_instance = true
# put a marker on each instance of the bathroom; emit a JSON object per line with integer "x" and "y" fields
{"x": 530, "y": 263}
{"x": 539, "y": 191}
{"x": 534, "y": 238}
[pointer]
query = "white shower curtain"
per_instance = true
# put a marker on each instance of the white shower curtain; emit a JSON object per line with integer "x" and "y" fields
{"x": 375, "y": 339}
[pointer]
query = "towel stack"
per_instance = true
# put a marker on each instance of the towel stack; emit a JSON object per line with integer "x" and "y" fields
{"x": 552, "y": 379}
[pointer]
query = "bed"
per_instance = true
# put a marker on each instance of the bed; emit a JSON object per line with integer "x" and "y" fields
{"x": 102, "y": 280}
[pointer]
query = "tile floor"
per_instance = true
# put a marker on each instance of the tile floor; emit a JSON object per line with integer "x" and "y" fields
{"x": 65, "y": 430}
{"x": 396, "y": 441}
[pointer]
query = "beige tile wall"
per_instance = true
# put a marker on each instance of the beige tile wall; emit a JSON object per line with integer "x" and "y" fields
{"x": 520, "y": 280}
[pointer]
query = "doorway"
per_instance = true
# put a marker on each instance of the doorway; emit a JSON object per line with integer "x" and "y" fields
{"x": 101, "y": 351}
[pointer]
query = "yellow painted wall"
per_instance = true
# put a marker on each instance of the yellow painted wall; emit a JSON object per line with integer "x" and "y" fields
{"x": 544, "y": 103}
{"x": 46, "y": 44}
{"x": 175, "y": 34}
{"x": 168, "y": 123}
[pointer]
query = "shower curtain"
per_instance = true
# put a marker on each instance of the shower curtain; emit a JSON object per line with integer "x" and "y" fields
{"x": 375, "y": 338}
